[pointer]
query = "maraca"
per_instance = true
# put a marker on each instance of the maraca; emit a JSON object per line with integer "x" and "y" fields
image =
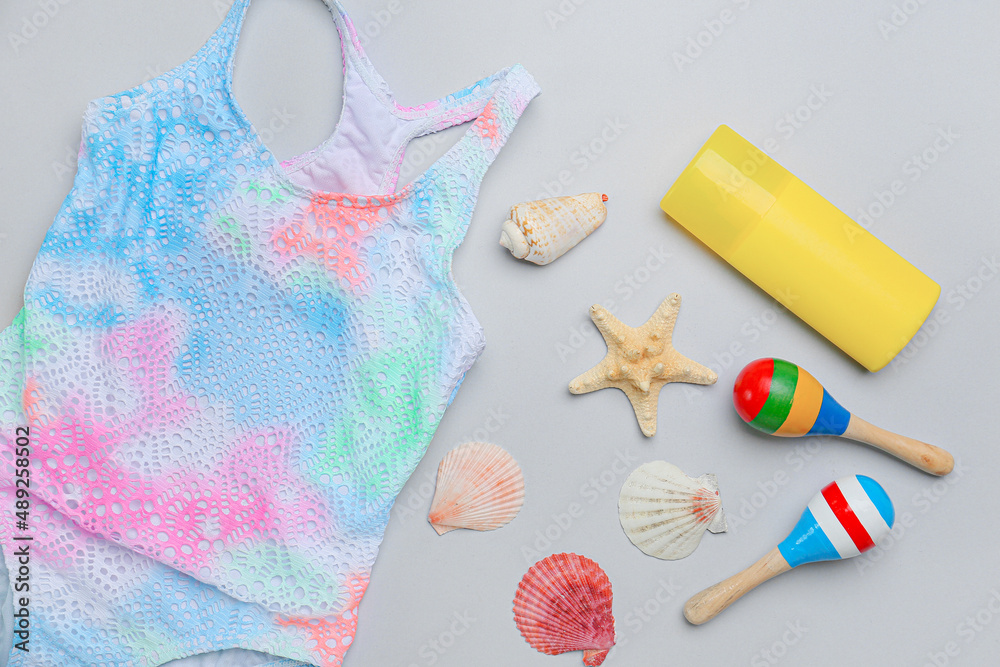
{"x": 780, "y": 398}
{"x": 843, "y": 520}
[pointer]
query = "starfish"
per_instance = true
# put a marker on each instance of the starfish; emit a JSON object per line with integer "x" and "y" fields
{"x": 640, "y": 361}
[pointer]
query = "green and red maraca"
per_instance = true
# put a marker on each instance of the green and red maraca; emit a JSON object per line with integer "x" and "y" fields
{"x": 780, "y": 398}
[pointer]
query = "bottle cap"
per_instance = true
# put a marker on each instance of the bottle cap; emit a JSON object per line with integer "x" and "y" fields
{"x": 800, "y": 249}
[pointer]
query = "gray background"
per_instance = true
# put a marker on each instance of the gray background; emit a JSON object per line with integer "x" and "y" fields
{"x": 887, "y": 94}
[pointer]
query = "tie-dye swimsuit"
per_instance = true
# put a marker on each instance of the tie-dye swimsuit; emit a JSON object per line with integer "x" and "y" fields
{"x": 224, "y": 372}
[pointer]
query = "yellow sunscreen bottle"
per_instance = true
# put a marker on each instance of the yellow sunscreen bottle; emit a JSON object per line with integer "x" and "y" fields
{"x": 801, "y": 249}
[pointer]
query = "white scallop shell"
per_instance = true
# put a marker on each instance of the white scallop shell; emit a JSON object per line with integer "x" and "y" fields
{"x": 665, "y": 512}
{"x": 542, "y": 231}
{"x": 479, "y": 486}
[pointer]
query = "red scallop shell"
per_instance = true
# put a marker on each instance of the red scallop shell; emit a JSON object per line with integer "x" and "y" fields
{"x": 563, "y": 604}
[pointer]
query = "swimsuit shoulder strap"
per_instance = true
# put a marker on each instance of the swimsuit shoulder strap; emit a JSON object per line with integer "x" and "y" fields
{"x": 226, "y": 38}
{"x": 464, "y": 166}
{"x": 222, "y": 43}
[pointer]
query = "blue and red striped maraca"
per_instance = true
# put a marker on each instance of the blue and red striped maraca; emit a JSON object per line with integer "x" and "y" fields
{"x": 847, "y": 518}
{"x": 780, "y": 398}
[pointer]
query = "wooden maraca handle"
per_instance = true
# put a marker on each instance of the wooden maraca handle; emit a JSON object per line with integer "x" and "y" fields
{"x": 710, "y": 602}
{"x": 926, "y": 457}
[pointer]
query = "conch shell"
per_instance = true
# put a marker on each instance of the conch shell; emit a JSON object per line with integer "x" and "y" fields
{"x": 542, "y": 231}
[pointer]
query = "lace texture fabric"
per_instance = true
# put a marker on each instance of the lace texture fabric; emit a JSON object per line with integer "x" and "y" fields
{"x": 228, "y": 369}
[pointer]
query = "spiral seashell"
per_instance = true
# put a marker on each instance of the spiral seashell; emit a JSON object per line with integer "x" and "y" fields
{"x": 664, "y": 512}
{"x": 562, "y": 604}
{"x": 479, "y": 487}
{"x": 542, "y": 231}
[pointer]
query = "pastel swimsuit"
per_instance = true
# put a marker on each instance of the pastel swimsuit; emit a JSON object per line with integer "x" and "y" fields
{"x": 225, "y": 371}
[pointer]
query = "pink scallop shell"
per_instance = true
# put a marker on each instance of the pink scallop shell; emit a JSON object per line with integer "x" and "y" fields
{"x": 563, "y": 603}
{"x": 479, "y": 487}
